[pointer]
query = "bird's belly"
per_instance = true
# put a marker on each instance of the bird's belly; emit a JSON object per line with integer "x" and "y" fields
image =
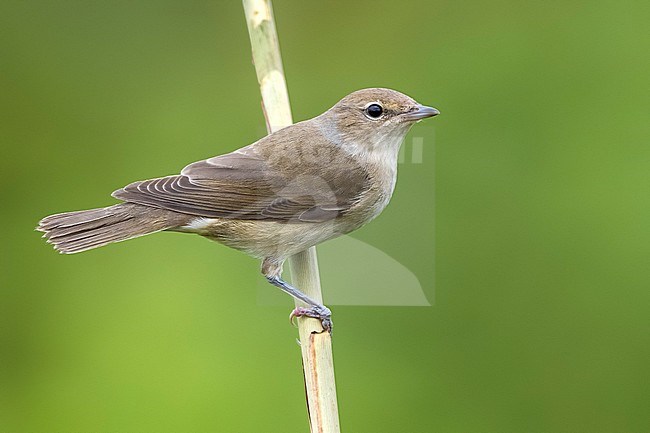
{"x": 262, "y": 239}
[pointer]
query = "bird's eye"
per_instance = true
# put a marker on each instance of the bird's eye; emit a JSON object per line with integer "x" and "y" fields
{"x": 374, "y": 111}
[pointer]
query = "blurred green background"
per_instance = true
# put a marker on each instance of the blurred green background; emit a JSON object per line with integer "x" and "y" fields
{"x": 528, "y": 222}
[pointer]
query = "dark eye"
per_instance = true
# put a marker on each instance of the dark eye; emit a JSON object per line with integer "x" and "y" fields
{"x": 374, "y": 111}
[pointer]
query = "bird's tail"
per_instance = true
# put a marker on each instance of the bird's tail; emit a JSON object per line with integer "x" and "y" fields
{"x": 74, "y": 232}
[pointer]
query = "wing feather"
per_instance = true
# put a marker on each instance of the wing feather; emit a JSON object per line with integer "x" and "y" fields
{"x": 244, "y": 185}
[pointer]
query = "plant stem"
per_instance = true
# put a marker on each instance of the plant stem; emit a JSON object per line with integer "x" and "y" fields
{"x": 316, "y": 346}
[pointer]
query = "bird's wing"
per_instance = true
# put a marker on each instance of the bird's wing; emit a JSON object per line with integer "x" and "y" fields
{"x": 245, "y": 185}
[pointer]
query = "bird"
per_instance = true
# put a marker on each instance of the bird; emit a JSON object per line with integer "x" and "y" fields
{"x": 293, "y": 189}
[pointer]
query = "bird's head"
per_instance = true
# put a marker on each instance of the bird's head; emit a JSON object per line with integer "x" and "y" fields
{"x": 374, "y": 119}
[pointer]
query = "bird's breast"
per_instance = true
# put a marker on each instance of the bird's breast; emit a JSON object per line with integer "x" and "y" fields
{"x": 373, "y": 200}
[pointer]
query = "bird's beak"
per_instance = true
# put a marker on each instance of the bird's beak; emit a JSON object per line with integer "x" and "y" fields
{"x": 421, "y": 112}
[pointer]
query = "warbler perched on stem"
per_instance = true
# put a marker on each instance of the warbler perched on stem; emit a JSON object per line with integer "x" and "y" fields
{"x": 293, "y": 189}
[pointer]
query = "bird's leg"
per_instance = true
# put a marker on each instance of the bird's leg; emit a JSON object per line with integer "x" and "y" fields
{"x": 315, "y": 310}
{"x": 272, "y": 270}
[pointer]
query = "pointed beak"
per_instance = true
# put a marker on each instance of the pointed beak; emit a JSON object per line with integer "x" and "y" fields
{"x": 421, "y": 112}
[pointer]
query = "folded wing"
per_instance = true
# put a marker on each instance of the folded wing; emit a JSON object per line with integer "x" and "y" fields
{"x": 243, "y": 185}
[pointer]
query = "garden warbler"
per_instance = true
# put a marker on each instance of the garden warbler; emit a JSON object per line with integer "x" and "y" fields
{"x": 293, "y": 189}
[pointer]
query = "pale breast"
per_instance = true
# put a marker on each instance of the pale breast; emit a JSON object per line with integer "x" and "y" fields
{"x": 375, "y": 199}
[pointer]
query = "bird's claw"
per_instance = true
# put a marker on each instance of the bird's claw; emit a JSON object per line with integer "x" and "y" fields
{"x": 319, "y": 312}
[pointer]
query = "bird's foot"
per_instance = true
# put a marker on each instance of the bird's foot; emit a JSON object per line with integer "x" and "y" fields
{"x": 319, "y": 312}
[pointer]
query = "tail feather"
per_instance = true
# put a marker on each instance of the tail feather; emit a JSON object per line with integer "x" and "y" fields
{"x": 62, "y": 225}
{"x": 74, "y": 232}
{"x": 72, "y": 219}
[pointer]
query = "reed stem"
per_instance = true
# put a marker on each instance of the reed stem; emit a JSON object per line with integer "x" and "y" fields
{"x": 316, "y": 345}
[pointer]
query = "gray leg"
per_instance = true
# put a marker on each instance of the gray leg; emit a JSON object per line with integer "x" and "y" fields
{"x": 316, "y": 310}
{"x": 289, "y": 289}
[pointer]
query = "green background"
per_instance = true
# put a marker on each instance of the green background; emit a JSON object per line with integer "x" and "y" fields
{"x": 531, "y": 205}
